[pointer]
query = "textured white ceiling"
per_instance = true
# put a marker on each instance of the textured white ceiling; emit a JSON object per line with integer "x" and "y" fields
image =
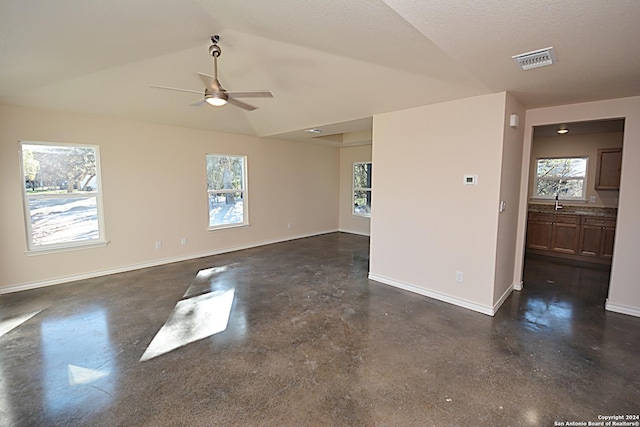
{"x": 330, "y": 64}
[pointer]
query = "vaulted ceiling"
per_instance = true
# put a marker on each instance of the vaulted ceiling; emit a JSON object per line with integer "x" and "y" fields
{"x": 330, "y": 64}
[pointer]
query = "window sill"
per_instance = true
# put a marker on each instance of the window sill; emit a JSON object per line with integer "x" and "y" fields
{"x": 561, "y": 200}
{"x": 54, "y": 250}
{"x": 227, "y": 227}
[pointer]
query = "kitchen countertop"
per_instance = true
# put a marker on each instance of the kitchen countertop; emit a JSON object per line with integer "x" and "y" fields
{"x": 575, "y": 210}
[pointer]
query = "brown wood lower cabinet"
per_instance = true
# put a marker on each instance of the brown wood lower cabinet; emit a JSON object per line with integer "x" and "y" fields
{"x": 585, "y": 238}
{"x": 596, "y": 237}
{"x": 565, "y": 234}
{"x": 539, "y": 231}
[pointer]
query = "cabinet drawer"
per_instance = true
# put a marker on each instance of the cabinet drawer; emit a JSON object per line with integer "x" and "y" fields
{"x": 599, "y": 222}
{"x": 567, "y": 219}
{"x": 540, "y": 217}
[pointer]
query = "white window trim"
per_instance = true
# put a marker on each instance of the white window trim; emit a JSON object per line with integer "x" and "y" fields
{"x": 354, "y": 189}
{"x": 244, "y": 191}
{"x": 101, "y": 241}
{"x": 581, "y": 178}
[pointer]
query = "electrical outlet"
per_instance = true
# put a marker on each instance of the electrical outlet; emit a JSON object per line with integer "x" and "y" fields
{"x": 183, "y": 241}
{"x": 289, "y": 226}
{"x": 158, "y": 245}
{"x": 459, "y": 276}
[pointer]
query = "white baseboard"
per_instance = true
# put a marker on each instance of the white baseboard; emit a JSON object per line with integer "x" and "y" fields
{"x": 359, "y": 233}
{"x": 502, "y": 299}
{"x": 155, "y": 263}
{"x": 488, "y": 310}
{"x": 631, "y": 311}
{"x": 517, "y": 286}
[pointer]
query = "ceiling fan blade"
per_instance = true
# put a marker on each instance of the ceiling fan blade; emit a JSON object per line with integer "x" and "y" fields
{"x": 179, "y": 90}
{"x": 209, "y": 81}
{"x": 250, "y": 94}
{"x": 241, "y": 104}
{"x": 198, "y": 103}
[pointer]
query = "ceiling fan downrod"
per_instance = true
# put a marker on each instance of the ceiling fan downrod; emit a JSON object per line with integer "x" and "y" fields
{"x": 215, "y": 51}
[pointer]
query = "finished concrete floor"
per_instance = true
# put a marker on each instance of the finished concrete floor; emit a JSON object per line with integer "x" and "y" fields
{"x": 310, "y": 341}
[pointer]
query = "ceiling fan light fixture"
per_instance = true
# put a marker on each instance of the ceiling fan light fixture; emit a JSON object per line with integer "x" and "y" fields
{"x": 216, "y": 100}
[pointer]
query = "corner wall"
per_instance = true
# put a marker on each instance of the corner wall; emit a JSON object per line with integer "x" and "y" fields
{"x": 154, "y": 189}
{"x": 509, "y": 193}
{"x": 427, "y": 224}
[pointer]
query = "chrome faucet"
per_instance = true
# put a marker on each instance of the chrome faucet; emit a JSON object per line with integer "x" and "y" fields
{"x": 558, "y": 206}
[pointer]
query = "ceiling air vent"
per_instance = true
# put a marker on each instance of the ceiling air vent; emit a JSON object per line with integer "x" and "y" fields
{"x": 536, "y": 58}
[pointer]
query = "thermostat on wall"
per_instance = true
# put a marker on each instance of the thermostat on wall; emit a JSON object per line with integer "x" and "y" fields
{"x": 471, "y": 180}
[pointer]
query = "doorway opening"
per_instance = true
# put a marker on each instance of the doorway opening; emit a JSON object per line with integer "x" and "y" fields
{"x": 574, "y": 181}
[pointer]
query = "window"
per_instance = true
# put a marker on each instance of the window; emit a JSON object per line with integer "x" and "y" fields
{"x": 227, "y": 190}
{"x": 564, "y": 177}
{"x": 62, "y": 199}
{"x": 362, "y": 188}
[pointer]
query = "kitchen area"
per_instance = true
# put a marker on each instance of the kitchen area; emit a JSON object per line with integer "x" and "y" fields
{"x": 574, "y": 184}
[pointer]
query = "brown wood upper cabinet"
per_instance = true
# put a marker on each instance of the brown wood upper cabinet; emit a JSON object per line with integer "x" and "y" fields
{"x": 608, "y": 169}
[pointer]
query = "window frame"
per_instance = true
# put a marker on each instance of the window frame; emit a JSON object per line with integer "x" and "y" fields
{"x": 244, "y": 190}
{"x": 356, "y": 189}
{"x": 566, "y": 178}
{"x": 100, "y": 241}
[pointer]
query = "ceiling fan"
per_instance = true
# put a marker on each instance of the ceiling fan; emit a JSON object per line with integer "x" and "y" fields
{"x": 214, "y": 94}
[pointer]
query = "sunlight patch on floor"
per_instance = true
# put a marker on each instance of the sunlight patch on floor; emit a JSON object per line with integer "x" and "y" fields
{"x": 191, "y": 320}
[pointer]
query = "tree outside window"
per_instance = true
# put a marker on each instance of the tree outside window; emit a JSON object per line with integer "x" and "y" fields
{"x": 562, "y": 177}
{"x": 226, "y": 188}
{"x": 362, "y": 188}
{"x": 62, "y": 195}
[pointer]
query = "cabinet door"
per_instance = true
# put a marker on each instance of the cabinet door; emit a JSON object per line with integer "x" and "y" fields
{"x": 608, "y": 234}
{"x": 596, "y": 237}
{"x": 608, "y": 169}
{"x": 539, "y": 231}
{"x": 565, "y": 234}
{"x": 590, "y": 240}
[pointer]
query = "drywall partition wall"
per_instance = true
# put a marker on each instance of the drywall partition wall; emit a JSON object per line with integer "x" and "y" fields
{"x": 624, "y": 290}
{"x": 577, "y": 145}
{"x": 509, "y": 198}
{"x": 427, "y": 224}
{"x": 349, "y": 222}
{"x": 154, "y": 189}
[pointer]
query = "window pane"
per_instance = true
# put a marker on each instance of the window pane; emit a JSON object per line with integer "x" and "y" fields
{"x": 561, "y": 168}
{"x": 225, "y": 172}
{"x": 564, "y": 177}
{"x": 63, "y": 169}
{"x": 226, "y": 184}
{"x": 226, "y": 208}
{"x": 61, "y": 194}
{"x": 63, "y": 220}
{"x": 564, "y": 188}
{"x": 362, "y": 175}
{"x": 362, "y": 203}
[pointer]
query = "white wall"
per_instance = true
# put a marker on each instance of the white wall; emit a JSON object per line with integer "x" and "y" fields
{"x": 349, "y": 222}
{"x": 426, "y": 224}
{"x": 154, "y": 189}
{"x": 624, "y": 290}
{"x": 509, "y": 193}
